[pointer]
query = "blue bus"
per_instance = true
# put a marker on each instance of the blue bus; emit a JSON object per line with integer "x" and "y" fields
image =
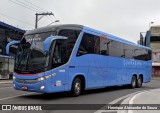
{"x": 75, "y": 58}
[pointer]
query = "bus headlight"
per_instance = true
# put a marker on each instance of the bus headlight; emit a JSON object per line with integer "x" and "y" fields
{"x": 45, "y": 77}
{"x": 14, "y": 77}
{"x": 41, "y": 79}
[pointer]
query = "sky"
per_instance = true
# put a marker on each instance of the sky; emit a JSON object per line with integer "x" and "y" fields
{"x": 122, "y": 18}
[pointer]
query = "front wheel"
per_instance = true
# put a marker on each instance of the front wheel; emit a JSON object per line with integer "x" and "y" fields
{"x": 133, "y": 82}
{"x": 76, "y": 87}
{"x": 139, "y": 82}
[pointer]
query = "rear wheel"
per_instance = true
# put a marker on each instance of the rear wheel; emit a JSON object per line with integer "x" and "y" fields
{"x": 76, "y": 87}
{"x": 133, "y": 82}
{"x": 139, "y": 82}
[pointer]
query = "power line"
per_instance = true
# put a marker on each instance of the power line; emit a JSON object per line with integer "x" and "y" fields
{"x": 22, "y": 5}
{"x": 35, "y": 6}
{"x": 41, "y": 9}
{"x": 52, "y": 17}
{"x": 27, "y": 5}
{"x": 16, "y": 19}
{"x": 49, "y": 18}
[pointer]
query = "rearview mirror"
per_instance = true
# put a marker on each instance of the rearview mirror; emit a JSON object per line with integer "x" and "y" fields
{"x": 10, "y": 44}
{"x": 49, "y": 40}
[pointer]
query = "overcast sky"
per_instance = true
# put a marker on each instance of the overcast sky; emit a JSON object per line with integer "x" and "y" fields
{"x": 123, "y": 18}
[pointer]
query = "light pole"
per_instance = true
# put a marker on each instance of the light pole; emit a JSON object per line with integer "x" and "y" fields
{"x": 54, "y": 22}
{"x": 42, "y": 15}
{"x": 150, "y": 24}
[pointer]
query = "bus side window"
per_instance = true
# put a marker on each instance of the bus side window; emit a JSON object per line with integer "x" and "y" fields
{"x": 141, "y": 54}
{"x": 89, "y": 45}
{"x": 128, "y": 51}
{"x": 116, "y": 49}
{"x": 72, "y": 38}
{"x": 104, "y": 46}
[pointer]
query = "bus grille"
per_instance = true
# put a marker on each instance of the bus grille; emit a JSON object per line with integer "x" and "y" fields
{"x": 26, "y": 81}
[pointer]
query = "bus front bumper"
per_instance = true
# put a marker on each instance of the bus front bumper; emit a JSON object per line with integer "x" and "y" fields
{"x": 45, "y": 86}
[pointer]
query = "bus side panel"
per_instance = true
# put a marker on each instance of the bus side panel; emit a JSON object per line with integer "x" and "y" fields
{"x": 86, "y": 65}
{"x": 148, "y": 71}
{"x": 116, "y": 69}
{"x": 97, "y": 71}
{"x": 77, "y": 71}
{"x": 59, "y": 80}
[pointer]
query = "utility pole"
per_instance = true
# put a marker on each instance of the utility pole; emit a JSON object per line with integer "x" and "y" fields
{"x": 42, "y": 15}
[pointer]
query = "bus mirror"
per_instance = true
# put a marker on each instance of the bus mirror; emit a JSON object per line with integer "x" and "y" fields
{"x": 50, "y": 39}
{"x": 10, "y": 44}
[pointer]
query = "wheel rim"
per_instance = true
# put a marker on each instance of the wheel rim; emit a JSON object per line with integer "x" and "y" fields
{"x": 134, "y": 82}
{"x": 77, "y": 87}
{"x": 139, "y": 81}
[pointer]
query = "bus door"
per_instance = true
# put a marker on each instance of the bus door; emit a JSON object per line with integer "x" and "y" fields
{"x": 59, "y": 59}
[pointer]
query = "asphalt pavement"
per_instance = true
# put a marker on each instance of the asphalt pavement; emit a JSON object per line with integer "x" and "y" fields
{"x": 98, "y": 96}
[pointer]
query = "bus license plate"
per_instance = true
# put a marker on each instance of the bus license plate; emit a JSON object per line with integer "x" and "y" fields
{"x": 24, "y": 87}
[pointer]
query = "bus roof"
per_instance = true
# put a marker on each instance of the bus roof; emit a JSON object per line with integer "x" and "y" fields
{"x": 80, "y": 27}
{"x": 53, "y": 27}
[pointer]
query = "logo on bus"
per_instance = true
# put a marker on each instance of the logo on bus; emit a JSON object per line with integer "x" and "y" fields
{"x": 131, "y": 63}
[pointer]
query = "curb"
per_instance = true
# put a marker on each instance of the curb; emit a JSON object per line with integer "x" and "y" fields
{"x": 156, "y": 78}
{"x": 5, "y": 82}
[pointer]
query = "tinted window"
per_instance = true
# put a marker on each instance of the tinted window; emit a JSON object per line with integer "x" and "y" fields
{"x": 89, "y": 45}
{"x": 128, "y": 51}
{"x": 104, "y": 46}
{"x": 141, "y": 54}
{"x": 116, "y": 49}
{"x": 72, "y": 37}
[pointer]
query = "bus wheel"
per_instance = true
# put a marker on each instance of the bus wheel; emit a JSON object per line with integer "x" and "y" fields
{"x": 133, "y": 82}
{"x": 76, "y": 87}
{"x": 139, "y": 82}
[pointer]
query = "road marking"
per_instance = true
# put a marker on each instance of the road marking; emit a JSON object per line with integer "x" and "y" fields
{"x": 131, "y": 101}
{"x": 135, "y": 96}
{"x": 15, "y": 96}
{"x": 116, "y": 100}
{"x": 6, "y": 87}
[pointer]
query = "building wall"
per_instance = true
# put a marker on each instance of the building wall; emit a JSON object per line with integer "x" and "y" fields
{"x": 155, "y": 45}
{"x": 7, "y": 64}
{"x": 156, "y": 71}
{"x": 155, "y": 51}
{"x": 6, "y": 38}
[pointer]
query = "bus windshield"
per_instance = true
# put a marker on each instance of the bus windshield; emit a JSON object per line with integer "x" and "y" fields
{"x": 31, "y": 57}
